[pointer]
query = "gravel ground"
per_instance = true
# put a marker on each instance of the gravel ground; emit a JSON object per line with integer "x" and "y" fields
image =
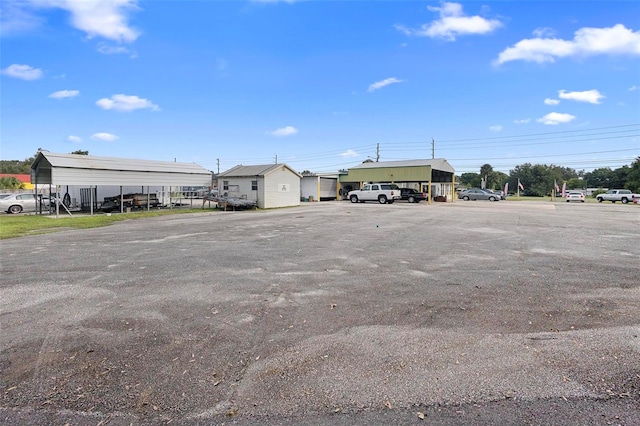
{"x": 329, "y": 313}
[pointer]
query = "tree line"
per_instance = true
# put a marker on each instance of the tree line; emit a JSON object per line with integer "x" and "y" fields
{"x": 539, "y": 179}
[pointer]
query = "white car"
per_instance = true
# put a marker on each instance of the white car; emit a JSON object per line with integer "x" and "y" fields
{"x": 575, "y": 196}
{"x": 19, "y": 203}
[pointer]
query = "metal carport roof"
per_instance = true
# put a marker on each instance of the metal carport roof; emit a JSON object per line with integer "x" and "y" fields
{"x": 73, "y": 169}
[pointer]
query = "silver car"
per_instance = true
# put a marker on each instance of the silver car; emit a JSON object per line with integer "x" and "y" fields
{"x": 19, "y": 203}
{"x": 479, "y": 194}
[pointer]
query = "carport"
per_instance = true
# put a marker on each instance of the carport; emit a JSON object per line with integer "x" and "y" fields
{"x": 57, "y": 170}
{"x": 435, "y": 176}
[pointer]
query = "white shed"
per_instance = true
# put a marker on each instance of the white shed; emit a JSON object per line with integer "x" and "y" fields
{"x": 271, "y": 185}
{"x": 319, "y": 187}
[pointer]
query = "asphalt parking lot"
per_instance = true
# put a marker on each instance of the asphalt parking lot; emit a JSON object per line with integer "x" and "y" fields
{"x": 328, "y": 313}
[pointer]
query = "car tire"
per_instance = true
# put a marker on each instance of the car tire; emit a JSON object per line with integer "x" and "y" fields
{"x": 354, "y": 198}
{"x": 599, "y": 200}
{"x": 625, "y": 201}
{"x": 411, "y": 200}
{"x": 492, "y": 199}
{"x": 391, "y": 201}
{"x": 466, "y": 198}
{"x": 582, "y": 201}
{"x": 382, "y": 199}
{"x": 567, "y": 201}
{"x": 15, "y": 209}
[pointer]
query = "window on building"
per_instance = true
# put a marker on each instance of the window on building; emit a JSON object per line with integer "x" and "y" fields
{"x": 225, "y": 185}
{"x": 254, "y": 185}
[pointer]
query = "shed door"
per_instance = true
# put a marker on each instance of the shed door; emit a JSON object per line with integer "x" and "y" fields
{"x": 328, "y": 188}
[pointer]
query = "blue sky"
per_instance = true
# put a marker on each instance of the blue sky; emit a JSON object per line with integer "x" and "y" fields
{"x": 322, "y": 84}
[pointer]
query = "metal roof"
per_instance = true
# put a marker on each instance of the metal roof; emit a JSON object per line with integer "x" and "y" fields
{"x": 76, "y": 161}
{"x": 74, "y": 169}
{"x": 435, "y": 164}
{"x": 252, "y": 171}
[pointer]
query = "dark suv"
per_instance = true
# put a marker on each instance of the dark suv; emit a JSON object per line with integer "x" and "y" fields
{"x": 412, "y": 195}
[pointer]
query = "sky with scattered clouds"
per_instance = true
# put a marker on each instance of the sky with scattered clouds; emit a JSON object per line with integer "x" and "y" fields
{"x": 323, "y": 86}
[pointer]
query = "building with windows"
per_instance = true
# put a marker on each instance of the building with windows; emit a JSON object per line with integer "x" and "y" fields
{"x": 270, "y": 185}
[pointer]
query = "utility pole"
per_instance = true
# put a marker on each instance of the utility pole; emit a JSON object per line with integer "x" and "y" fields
{"x": 276, "y": 158}
{"x": 377, "y": 152}
{"x": 218, "y": 162}
{"x": 433, "y": 148}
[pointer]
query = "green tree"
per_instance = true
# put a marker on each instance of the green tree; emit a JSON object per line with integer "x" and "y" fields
{"x": 486, "y": 172}
{"x": 498, "y": 179}
{"x": 470, "y": 179}
{"x": 575, "y": 183}
{"x": 633, "y": 176}
{"x": 599, "y": 178}
{"x": 10, "y": 182}
{"x": 619, "y": 177}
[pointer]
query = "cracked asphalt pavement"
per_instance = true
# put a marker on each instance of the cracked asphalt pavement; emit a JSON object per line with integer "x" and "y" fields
{"x": 328, "y": 313}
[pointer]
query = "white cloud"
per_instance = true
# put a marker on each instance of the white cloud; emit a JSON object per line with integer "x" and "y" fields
{"x": 61, "y": 94}
{"x": 633, "y": 88}
{"x": 523, "y": 121}
{"x": 107, "y": 19}
{"x": 452, "y": 23}
{"x": 107, "y": 49}
{"x": 589, "y": 96}
{"x": 284, "y": 131}
{"x": 554, "y": 118}
{"x": 349, "y": 153}
{"x": 544, "y": 32}
{"x": 496, "y": 128}
{"x": 380, "y": 84}
{"x": 76, "y": 139}
{"x": 550, "y": 101}
{"x": 101, "y": 18}
{"x": 616, "y": 40}
{"x": 126, "y": 103}
{"x": 17, "y": 17}
{"x": 24, "y": 72}
{"x": 106, "y": 137}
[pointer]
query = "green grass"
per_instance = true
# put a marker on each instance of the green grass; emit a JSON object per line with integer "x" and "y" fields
{"x": 19, "y": 226}
{"x": 557, "y": 200}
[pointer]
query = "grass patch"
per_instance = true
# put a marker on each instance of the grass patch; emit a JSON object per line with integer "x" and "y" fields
{"x": 557, "y": 200}
{"x": 18, "y": 226}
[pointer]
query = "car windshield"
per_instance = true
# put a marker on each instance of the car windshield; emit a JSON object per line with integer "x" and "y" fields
{"x": 2, "y": 196}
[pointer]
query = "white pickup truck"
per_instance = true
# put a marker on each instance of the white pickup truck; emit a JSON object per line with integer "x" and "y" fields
{"x": 623, "y": 195}
{"x": 381, "y": 192}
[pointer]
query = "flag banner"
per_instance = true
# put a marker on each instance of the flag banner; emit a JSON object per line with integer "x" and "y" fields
{"x": 520, "y": 185}
{"x": 556, "y": 185}
{"x": 506, "y": 189}
{"x": 564, "y": 188}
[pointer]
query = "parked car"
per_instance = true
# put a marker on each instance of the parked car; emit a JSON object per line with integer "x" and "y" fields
{"x": 479, "y": 194}
{"x": 412, "y": 195}
{"x": 613, "y": 195}
{"x": 502, "y": 195}
{"x": 19, "y": 203}
{"x": 575, "y": 196}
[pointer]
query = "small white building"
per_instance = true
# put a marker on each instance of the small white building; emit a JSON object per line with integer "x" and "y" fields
{"x": 319, "y": 187}
{"x": 270, "y": 185}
